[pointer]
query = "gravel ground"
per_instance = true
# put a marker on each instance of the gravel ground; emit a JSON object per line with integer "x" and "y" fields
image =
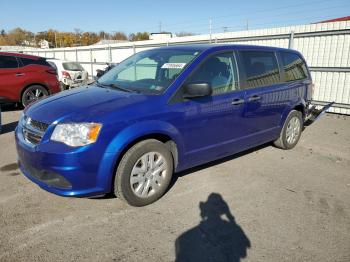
{"x": 262, "y": 205}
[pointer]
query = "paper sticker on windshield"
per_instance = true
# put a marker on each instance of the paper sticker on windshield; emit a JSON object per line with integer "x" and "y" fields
{"x": 173, "y": 65}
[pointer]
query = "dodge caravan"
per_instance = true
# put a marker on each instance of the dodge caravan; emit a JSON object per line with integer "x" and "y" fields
{"x": 161, "y": 111}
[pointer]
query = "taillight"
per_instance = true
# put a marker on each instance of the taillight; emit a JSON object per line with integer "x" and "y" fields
{"x": 65, "y": 74}
{"x": 52, "y": 71}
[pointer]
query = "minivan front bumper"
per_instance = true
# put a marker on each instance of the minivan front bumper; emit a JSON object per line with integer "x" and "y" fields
{"x": 82, "y": 172}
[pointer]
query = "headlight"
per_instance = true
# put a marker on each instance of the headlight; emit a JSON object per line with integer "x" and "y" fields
{"x": 22, "y": 119}
{"x": 76, "y": 134}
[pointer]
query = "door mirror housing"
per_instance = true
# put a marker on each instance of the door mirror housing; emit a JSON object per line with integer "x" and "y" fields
{"x": 198, "y": 89}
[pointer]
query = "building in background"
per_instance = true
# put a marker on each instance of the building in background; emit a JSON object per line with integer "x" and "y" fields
{"x": 44, "y": 44}
{"x": 160, "y": 36}
{"x": 340, "y": 19}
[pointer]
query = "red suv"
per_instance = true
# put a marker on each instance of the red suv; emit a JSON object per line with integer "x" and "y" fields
{"x": 26, "y": 78}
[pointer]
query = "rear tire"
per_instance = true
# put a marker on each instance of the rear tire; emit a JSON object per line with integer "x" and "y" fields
{"x": 144, "y": 173}
{"x": 32, "y": 94}
{"x": 291, "y": 131}
{"x": 63, "y": 86}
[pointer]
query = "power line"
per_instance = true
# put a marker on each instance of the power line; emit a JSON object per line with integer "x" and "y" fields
{"x": 204, "y": 26}
{"x": 274, "y": 24}
{"x": 243, "y": 14}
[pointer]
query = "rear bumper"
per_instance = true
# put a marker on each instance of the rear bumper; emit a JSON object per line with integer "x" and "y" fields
{"x": 79, "y": 173}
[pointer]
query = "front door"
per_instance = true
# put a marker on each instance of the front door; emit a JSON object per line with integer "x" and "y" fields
{"x": 212, "y": 126}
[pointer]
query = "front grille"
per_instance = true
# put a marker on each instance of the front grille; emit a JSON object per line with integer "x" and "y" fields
{"x": 33, "y": 130}
{"x": 31, "y": 137}
{"x": 39, "y": 125}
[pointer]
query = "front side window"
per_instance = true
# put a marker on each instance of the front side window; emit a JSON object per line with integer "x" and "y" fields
{"x": 261, "y": 68}
{"x": 220, "y": 71}
{"x": 8, "y": 62}
{"x": 150, "y": 71}
{"x": 294, "y": 67}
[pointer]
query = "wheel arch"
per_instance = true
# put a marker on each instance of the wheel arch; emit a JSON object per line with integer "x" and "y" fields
{"x": 125, "y": 139}
{"x": 300, "y": 106}
{"x": 164, "y": 138}
{"x": 32, "y": 84}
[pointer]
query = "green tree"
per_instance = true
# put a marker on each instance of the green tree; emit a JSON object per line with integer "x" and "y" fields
{"x": 139, "y": 36}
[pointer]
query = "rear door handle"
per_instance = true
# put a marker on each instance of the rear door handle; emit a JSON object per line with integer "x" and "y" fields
{"x": 254, "y": 98}
{"x": 237, "y": 101}
{"x": 20, "y": 74}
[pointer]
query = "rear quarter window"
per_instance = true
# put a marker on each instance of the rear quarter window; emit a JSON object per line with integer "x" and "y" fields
{"x": 29, "y": 61}
{"x": 294, "y": 67}
{"x": 261, "y": 68}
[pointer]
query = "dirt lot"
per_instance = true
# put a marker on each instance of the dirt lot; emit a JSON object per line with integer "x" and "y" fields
{"x": 263, "y": 205}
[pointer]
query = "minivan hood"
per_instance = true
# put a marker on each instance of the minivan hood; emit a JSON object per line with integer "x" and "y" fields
{"x": 86, "y": 103}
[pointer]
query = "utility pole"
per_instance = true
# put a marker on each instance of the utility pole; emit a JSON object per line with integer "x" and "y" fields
{"x": 160, "y": 26}
{"x": 210, "y": 29}
{"x": 247, "y": 25}
{"x": 55, "y": 40}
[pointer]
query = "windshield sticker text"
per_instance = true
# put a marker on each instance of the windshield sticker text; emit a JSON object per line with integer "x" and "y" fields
{"x": 173, "y": 65}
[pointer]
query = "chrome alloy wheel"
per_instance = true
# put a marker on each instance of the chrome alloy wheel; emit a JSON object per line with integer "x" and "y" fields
{"x": 293, "y": 130}
{"x": 148, "y": 174}
{"x": 34, "y": 95}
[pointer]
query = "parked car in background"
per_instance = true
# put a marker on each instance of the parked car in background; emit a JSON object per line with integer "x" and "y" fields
{"x": 26, "y": 78}
{"x": 101, "y": 72}
{"x": 163, "y": 111}
{"x": 70, "y": 74}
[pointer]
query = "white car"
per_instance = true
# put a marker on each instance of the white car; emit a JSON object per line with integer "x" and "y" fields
{"x": 70, "y": 74}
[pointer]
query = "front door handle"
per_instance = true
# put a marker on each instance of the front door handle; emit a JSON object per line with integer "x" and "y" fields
{"x": 254, "y": 98}
{"x": 20, "y": 74}
{"x": 237, "y": 101}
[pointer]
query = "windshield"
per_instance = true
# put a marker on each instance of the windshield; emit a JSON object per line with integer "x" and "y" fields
{"x": 150, "y": 71}
{"x": 72, "y": 66}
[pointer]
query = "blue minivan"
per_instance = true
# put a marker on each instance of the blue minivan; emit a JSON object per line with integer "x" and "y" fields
{"x": 161, "y": 111}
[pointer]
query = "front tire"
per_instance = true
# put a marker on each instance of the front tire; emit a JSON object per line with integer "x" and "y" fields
{"x": 32, "y": 94}
{"x": 291, "y": 131}
{"x": 144, "y": 173}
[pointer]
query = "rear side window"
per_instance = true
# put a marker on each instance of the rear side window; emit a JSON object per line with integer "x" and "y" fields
{"x": 29, "y": 61}
{"x": 294, "y": 67}
{"x": 8, "y": 61}
{"x": 261, "y": 68}
{"x": 72, "y": 66}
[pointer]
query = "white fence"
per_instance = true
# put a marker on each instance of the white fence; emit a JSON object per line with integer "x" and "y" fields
{"x": 326, "y": 47}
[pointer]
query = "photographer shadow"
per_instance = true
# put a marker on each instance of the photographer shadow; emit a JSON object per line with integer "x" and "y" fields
{"x": 217, "y": 237}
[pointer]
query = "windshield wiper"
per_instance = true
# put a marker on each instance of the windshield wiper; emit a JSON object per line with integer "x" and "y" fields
{"x": 117, "y": 87}
{"x": 120, "y": 88}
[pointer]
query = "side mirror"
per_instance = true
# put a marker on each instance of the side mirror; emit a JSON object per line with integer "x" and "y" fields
{"x": 200, "y": 89}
